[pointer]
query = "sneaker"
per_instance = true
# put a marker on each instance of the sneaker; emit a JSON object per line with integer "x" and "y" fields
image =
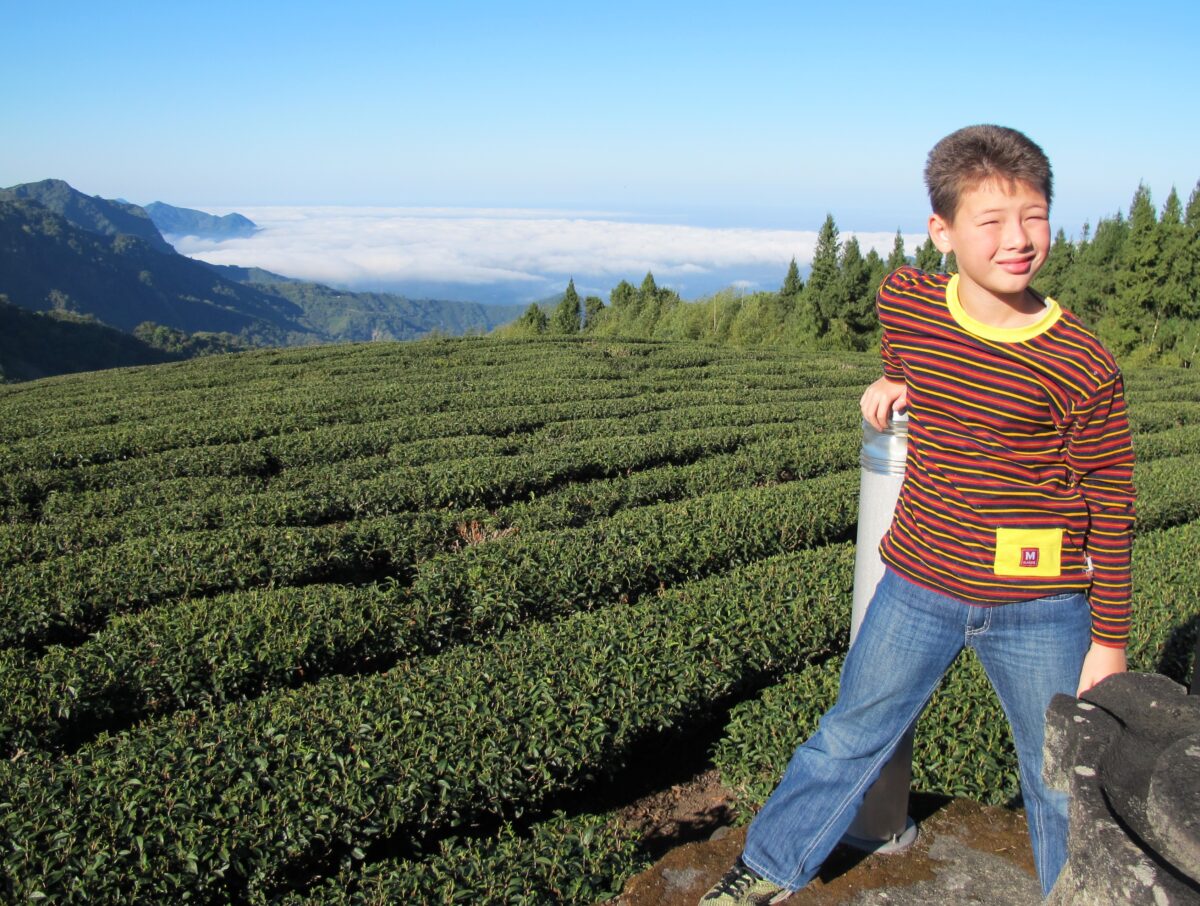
{"x": 743, "y": 886}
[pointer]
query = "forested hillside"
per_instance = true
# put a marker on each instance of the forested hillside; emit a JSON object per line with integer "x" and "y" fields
{"x": 1135, "y": 279}
{"x": 409, "y": 622}
{"x": 103, "y": 216}
{"x": 34, "y": 344}
{"x": 47, "y": 262}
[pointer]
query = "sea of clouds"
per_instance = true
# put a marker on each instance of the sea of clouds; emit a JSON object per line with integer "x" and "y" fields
{"x": 510, "y": 255}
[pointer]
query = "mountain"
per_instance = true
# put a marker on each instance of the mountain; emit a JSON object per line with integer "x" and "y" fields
{"x": 47, "y": 262}
{"x": 88, "y": 212}
{"x": 387, "y": 316}
{"x": 34, "y": 345}
{"x": 359, "y": 316}
{"x": 188, "y": 222}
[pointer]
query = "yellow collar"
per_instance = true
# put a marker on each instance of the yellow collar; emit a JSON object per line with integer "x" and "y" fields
{"x": 999, "y": 334}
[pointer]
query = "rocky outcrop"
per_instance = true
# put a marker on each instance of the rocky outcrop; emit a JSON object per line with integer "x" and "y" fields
{"x": 1128, "y": 753}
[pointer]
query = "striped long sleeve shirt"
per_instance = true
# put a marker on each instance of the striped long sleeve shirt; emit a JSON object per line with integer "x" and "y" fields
{"x": 1018, "y": 483}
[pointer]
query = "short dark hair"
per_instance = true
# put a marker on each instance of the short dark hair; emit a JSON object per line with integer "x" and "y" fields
{"x": 976, "y": 154}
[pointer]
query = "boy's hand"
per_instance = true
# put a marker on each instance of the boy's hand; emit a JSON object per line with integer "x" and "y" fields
{"x": 1100, "y": 662}
{"x": 880, "y": 399}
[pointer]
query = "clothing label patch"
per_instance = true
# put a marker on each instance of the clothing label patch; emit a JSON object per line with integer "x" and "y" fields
{"x": 1028, "y": 552}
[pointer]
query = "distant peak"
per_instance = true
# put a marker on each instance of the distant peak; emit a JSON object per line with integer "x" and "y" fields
{"x": 175, "y": 221}
{"x": 90, "y": 212}
{"x": 41, "y": 185}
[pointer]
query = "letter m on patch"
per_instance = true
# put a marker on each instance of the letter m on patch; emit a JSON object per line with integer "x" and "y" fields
{"x": 1029, "y": 556}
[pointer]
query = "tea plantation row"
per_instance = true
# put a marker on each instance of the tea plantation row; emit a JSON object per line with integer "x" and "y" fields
{"x": 377, "y": 623}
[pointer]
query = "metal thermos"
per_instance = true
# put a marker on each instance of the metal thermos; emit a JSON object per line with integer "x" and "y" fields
{"x": 882, "y": 823}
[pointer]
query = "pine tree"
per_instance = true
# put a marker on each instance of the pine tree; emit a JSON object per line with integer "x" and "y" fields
{"x": 897, "y": 258}
{"x": 1052, "y": 278}
{"x": 568, "y": 315}
{"x": 820, "y": 293}
{"x": 877, "y": 269}
{"x": 1191, "y": 217}
{"x": 1172, "y": 211}
{"x": 534, "y": 320}
{"x": 928, "y": 257}
{"x": 1140, "y": 276}
{"x": 1178, "y": 292}
{"x": 593, "y": 308}
{"x": 855, "y": 298}
{"x": 650, "y": 299}
{"x": 649, "y": 289}
{"x": 1177, "y": 273}
{"x": 792, "y": 284}
{"x": 779, "y": 306}
{"x": 623, "y": 297}
{"x": 1191, "y": 223}
{"x": 1091, "y": 290}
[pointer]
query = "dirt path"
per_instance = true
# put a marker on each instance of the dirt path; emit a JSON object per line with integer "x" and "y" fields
{"x": 966, "y": 853}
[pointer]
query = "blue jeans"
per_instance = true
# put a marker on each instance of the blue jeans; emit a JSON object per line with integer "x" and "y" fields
{"x": 908, "y": 638}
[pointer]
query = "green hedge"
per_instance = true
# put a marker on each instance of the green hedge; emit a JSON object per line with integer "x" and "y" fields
{"x": 201, "y": 651}
{"x": 413, "y": 475}
{"x": 1168, "y": 492}
{"x": 580, "y": 860}
{"x": 236, "y": 804}
{"x": 756, "y": 464}
{"x": 34, "y": 493}
{"x": 69, "y": 597}
{"x": 301, "y": 424}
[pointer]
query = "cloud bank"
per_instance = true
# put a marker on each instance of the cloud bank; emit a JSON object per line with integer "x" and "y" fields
{"x": 526, "y": 252}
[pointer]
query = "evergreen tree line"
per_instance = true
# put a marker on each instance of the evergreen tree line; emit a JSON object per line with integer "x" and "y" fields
{"x": 1135, "y": 280}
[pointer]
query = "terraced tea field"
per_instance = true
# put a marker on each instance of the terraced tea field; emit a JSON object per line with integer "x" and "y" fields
{"x": 376, "y": 623}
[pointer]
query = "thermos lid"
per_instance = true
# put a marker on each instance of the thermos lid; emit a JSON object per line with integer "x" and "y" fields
{"x": 884, "y": 452}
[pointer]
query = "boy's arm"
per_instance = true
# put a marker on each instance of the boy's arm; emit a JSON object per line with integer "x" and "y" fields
{"x": 1100, "y": 456}
{"x": 890, "y": 392}
{"x": 1099, "y": 662}
{"x": 881, "y": 399}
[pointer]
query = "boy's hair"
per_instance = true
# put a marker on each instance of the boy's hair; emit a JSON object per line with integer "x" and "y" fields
{"x": 975, "y": 154}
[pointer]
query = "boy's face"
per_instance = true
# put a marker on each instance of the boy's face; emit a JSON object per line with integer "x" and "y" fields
{"x": 1000, "y": 236}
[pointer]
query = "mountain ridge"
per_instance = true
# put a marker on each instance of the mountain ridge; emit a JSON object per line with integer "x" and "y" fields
{"x": 48, "y": 262}
{"x": 90, "y": 212}
{"x": 174, "y": 221}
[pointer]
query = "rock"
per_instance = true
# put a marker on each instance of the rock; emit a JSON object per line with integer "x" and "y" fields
{"x": 1173, "y": 806}
{"x": 1122, "y": 753}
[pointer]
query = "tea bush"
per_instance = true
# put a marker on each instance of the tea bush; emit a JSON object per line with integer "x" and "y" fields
{"x": 372, "y": 623}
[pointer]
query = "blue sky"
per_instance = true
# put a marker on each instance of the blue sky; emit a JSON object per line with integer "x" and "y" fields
{"x": 763, "y": 115}
{"x": 793, "y": 109}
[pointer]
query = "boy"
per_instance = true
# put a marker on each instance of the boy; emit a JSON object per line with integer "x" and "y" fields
{"x": 1013, "y": 527}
